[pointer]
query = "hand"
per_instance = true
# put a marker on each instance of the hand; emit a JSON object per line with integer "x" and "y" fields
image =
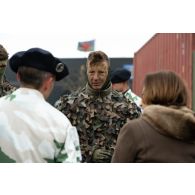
{"x": 101, "y": 156}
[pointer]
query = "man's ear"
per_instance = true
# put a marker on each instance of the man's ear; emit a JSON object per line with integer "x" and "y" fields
{"x": 17, "y": 77}
{"x": 48, "y": 82}
{"x": 47, "y": 87}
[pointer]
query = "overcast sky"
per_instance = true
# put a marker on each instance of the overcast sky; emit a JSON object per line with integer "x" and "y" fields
{"x": 65, "y": 45}
{"x": 120, "y": 28}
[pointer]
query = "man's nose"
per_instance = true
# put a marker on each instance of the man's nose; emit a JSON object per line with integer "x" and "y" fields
{"x": 96, "y": 76}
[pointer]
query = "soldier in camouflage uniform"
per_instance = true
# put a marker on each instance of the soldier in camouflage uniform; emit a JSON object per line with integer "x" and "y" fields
{"x": 119, "y": 79}
{"x": 5, "y": 86}
{"x": 31, "y": 130}
{"x": 97, "y": 111}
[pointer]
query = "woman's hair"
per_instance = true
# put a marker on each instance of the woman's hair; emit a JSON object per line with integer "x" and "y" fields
{"x": 164, "y": 88}
{"x": 31, "y": 76}
{"x": 97, "y": 57}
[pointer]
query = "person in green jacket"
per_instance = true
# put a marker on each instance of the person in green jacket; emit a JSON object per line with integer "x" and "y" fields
{"x": 97, "y": 111}
{"x": 5, "y": 87}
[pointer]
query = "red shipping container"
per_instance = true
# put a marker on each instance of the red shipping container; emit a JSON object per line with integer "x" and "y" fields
{"x": 166, "y": 51}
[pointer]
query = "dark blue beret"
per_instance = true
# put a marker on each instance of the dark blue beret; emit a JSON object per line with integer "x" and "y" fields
{"x": 41, "y": 60}
{"x": 120, "y": 75}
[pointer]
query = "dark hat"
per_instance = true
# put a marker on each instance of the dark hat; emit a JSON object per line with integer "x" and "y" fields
{"x": 39, "y": 59}
{"x": 120, "y": 75}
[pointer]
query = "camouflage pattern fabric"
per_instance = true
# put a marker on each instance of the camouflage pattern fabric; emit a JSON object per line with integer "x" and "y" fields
{"x": 3, "y": 53}
{"x": 6, "y": 88}
{"x": 31, "y": 130}
{"x": 133, "y": 97}
{"x": 98, "y": 117}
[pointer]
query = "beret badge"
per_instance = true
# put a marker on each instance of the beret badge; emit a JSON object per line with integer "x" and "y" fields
{"x": 59, "y": 67}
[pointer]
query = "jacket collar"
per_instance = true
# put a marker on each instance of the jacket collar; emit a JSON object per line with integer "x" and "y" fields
{"x": 101, "y": 92}
{"x": 177, "y": 122}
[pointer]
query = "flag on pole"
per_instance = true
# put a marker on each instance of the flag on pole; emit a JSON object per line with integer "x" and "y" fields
{"x": 86, "y": 45}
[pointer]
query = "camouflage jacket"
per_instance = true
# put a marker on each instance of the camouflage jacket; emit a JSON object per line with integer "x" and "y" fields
{"x": 6, "y": 88}
{"x": 98, "y": 117}
{"x": 132, "y": 96}
{"x": 31, "y": 130}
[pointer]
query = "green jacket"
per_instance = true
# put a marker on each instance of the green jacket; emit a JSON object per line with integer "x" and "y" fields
{"x": 98, "y": 116}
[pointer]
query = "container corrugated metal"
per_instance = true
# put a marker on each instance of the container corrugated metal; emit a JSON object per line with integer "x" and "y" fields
{"x": 165, "y": 51}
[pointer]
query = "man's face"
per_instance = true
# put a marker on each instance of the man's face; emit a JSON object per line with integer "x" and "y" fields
{"x": 2, "y": 68}
{"x": 97, "y": 74}
{"x": 118, "y": 86}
